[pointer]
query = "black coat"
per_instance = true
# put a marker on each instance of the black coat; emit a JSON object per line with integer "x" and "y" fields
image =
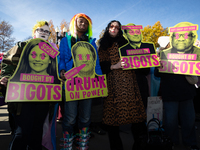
{"x": 175, "y": 87}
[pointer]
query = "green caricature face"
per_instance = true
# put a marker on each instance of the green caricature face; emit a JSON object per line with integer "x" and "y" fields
{"x": 183, "y": 40}
{"x": 84, "y": 56}
{"x": 38, "y": 61}
{"x": 134, "y": 35}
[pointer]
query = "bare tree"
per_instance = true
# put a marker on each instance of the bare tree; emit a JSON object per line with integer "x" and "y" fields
{"x": 6, "y": 41}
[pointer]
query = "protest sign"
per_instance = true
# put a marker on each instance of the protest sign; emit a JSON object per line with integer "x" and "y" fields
{"x": 82, "y": 81}
{"x": 136, "y": 53}
{"x": 36, "y": 76}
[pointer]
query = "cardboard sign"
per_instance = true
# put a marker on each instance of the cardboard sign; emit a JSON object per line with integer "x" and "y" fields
{"x": 154, "y": 110}
{"x": 136, "y": 53}
{"x": 82, "y": 81}
{"x": 36, "y": 76}
{"x": 183, "y": 57}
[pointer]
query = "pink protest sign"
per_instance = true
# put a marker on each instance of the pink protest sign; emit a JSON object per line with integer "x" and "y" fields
{"x": 48, "y": 49}
{"x": 36, "y": 78}
{"x": 87, "y": 87}
{"x": 181, "y": 56}
{"x": 82, "y": 81}
{"x": 132, "y": 27}
{"x": 140, "y": 61}
{"x": 74, "y": 71}
{"x": 24, "y": 92}
{"x": 138, "y": 51}
{"x": 187, "y": 28}
{"x": 180, "y": 67}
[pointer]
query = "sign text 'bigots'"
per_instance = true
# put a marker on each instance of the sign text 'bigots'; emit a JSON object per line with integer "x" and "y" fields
{"x": 33, "y": 92}
{"x": 140, "y": 61}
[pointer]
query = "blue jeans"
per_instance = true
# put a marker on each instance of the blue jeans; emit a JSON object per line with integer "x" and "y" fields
{"x": 183, "y": 110}
{"x": 79, "y": 110}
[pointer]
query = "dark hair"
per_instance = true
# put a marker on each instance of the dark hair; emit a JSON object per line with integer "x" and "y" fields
{"x": 107, "y": 41}
{"x": 85, "y": 45}
{"x": 24, "y": 65}
{"x": 83, "y": 38}
{"x": 46, "y": 23}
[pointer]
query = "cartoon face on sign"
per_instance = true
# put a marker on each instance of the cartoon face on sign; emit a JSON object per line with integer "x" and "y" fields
{"x": 183, "y": 56}
{"x": 84, "y": 53}
{"x": 134, "y": 35}
{"x": 183, "y": 36}
{"x": 38, "y": 61}
{"x": 36, "y": 77}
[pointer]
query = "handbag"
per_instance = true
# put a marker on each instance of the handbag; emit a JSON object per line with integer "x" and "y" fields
{"x": 156, "y": 139}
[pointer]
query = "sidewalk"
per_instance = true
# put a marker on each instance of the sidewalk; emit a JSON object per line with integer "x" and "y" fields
{"x": 99, "y": 142}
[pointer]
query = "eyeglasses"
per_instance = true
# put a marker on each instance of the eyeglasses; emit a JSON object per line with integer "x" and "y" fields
{"x": 40, "y": 30}
{"x": 132, "y": 32}
{"x": 116, "y": 27}
{"x": 185, "y": 35}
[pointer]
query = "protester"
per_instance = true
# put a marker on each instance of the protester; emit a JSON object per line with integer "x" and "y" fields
{"x": 177, "y": 95}
{"x": 134, "y": 37}
{"x": 29, "y": 116}
{"x": 81, "y": 30}
{"x": 124, "y": 103}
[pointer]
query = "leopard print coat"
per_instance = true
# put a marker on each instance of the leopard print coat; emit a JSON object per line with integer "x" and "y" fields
{"x": 123, "y": 105}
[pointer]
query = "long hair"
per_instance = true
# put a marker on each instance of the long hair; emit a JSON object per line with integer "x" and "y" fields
{"x": 107, "y": 41}
{"x": 24, "y": 66}
{"x": 73, "y": 22}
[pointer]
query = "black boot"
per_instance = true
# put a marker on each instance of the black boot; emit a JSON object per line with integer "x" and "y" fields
{"x": 114, "y": 138}
{"x": 139, "y": 132}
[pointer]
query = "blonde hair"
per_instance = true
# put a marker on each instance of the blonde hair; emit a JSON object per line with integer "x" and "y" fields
{"x": 39, "y": 24}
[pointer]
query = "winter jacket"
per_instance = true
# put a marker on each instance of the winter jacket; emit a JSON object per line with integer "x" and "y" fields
{"x": 66, "y": 61}
{"x": 175, "y": 87}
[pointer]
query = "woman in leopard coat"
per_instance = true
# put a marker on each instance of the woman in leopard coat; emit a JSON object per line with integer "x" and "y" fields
{"x": 123, "y": 105}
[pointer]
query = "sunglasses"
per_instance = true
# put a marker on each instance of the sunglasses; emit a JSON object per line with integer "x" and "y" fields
{"x": 132, "y": 32}
{"x": 186, "y": 35}
{"x": 116, "y": 27}
{"x": 40, "y": 30}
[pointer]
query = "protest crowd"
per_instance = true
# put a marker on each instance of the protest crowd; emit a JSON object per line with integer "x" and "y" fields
{"x": 89, "y": 88}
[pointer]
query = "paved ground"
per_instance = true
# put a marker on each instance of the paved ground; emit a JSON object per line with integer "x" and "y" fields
{"x": 99, "y": 142}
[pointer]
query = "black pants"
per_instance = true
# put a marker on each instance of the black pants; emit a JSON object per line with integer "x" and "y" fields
{"x": 11, "y": 122}
{"x": 29, "y": 126}
{"x": 138, "y": 130}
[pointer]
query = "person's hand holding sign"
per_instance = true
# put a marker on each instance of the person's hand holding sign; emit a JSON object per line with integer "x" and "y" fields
{"x": 62, "y": 76}
{"x": 4, "y": 81}
{"x": 119, "y": 65}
